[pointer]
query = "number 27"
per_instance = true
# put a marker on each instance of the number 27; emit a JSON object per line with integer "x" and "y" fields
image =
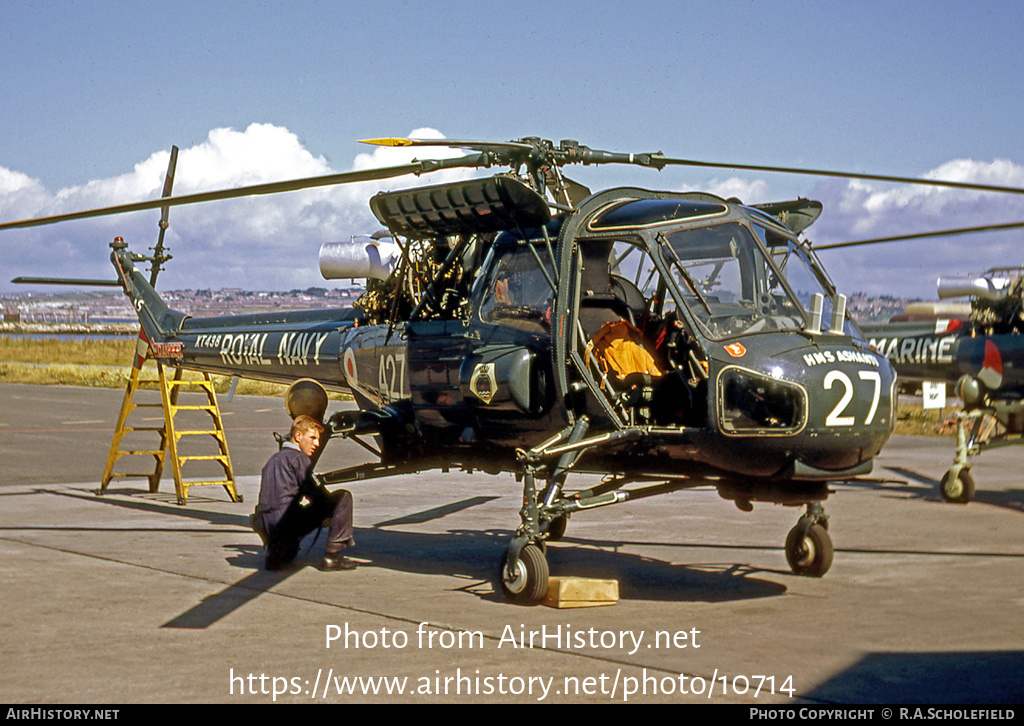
{"x": 836, "y": 418}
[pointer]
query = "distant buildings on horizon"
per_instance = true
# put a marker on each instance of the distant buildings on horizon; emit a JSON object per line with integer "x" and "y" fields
{"x": 111, "y": 305}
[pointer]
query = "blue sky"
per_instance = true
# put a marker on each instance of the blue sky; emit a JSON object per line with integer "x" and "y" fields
{"x": 95, "y": 93}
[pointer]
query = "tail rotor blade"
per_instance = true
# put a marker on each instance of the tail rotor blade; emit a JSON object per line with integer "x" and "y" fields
{"x": 158, "y": 251}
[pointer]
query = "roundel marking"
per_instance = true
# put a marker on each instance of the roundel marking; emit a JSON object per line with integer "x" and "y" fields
{"x": 348, "y": 361}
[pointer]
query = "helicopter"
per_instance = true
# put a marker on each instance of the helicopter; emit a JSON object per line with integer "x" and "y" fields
{"x": 979, "y": 350}
{"x": 520, "y": 323}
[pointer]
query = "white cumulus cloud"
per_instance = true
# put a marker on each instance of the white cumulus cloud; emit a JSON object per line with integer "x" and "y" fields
{"x": 265, "y": 242}
{"x": 271, "y": 242}
{"x": 747, "y": 191}
{"x": 859, "y": 210}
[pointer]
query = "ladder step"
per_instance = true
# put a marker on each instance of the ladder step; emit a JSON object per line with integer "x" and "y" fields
{"x": 169, "y": 389}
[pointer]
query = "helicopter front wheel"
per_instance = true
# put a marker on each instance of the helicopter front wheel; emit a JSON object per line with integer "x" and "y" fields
{"x": 809, "y": 553}
{"x": 527, "y": 583}
{"x": 958, "y": 485}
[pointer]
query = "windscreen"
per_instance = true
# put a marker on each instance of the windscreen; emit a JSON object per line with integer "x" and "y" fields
{"x": 804, "y": 277}
{"x": 727, "y": 282}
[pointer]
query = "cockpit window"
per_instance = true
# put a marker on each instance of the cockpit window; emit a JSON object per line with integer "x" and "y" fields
{"x": 727, "y": 282}
{"x": 804, "y": 277}
{"x": 517, "y": 292}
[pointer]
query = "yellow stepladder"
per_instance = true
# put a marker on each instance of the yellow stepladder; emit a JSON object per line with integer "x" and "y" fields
{"x": 121, "y": 430}
{"x": 169, "y": 389}
{"x": 169, "y": 433}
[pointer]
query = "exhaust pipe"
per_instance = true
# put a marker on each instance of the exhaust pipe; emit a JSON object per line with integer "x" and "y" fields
{"x": 363, "y": 257}
{"x": 984, "y": 288}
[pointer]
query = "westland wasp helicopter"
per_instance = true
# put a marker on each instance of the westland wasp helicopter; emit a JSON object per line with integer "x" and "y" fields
{"x": 664, "y": 340}
{"x": 979, "y": 351}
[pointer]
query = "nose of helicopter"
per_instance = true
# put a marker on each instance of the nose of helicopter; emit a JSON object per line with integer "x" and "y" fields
{"x": 827, "y": 409}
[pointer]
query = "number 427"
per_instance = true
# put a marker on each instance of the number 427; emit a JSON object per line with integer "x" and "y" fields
{"x": 838, "y": 417}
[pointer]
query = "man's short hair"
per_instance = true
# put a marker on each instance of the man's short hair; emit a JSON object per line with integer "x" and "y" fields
{"x": 302, "y": 424}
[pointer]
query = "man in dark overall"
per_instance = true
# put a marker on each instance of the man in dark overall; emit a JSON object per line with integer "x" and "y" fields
{"x": 292, "y": 504}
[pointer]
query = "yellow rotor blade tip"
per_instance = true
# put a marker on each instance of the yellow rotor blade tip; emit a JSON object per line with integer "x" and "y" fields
{"x": 387, "y": 142}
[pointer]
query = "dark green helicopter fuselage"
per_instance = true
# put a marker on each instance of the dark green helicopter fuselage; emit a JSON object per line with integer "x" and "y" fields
{"x": 738, "y": 385}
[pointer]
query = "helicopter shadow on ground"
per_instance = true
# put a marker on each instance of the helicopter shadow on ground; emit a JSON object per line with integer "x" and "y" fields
{"x": 921, "y": 486}
{"x": 648, "y": 578}
{"x": 980, "y": 677}
{"x": 475, "y": 555}
{"x": 471, "y": 555}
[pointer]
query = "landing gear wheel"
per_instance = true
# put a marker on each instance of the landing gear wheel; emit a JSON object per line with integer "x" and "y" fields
{"x": 529, "y": 582}
{"x": 957, "y": 486}
{"x": 810, "y": 555}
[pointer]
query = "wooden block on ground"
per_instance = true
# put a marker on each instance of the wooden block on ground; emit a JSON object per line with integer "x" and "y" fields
{"x": 581, "y": 592}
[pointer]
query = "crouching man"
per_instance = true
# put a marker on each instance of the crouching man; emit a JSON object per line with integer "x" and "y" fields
{"x": 292, "y": 504}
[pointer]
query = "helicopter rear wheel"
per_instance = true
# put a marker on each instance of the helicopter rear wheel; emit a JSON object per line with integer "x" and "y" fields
{"x": 957, "y": 486}
{"x": 528, "y": 583}
{"x": 810, "y": 554}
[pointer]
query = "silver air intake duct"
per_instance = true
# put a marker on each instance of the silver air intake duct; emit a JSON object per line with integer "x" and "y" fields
{"x": 363, "y": 257}
{"x": 983, "y": 288}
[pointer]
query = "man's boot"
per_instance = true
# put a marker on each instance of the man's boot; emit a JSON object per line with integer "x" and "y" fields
{"x": 335, "y": 562}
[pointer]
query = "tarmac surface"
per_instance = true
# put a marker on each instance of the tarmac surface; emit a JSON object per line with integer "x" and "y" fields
{"x": 130, "y": 598}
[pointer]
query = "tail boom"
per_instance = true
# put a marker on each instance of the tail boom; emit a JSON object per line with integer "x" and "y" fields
{"x": 276, "y": 347}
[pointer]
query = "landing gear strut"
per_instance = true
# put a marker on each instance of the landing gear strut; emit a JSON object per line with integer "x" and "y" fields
{"x": 524, "y": 568}
{"x": 957, "y": 484}
{"x": 524, "y": 573}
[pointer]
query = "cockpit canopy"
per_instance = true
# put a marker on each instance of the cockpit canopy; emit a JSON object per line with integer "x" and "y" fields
{"x": 723, "y": 269}
{"x": 727, "y": 266}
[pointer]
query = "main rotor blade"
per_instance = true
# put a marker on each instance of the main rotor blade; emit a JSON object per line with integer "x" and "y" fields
{"x": 348, "y": 177}
{"x": 923, "y": 235}
{"x": 665, "y": 161}
{"x": 64, "y": 281}
{"x": 452, "y": 143}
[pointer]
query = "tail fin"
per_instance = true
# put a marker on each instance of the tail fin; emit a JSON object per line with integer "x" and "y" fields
{"x": 158, "y": 320}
